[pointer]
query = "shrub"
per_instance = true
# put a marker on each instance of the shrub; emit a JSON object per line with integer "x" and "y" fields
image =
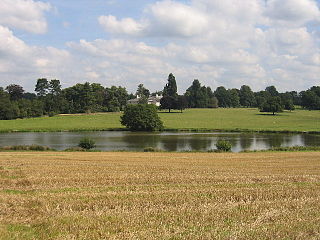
{"x": 27, "y": 148}
{"x": 87, "y": 143}
{"x": 52, "y": 114}
{"x": 223, "y": 146}
{"x": 74, "y": 149}
{"x": 141, "y": 117}
{"x": 151, "y": 149}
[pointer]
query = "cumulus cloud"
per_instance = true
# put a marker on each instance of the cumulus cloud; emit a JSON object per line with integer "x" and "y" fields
{"x": 230, "y": 43}
{"x": 292, "y": 12}
{"x": 165, "y": 18}
{"x": 23, "y": 64}
{"x": 24, "y": 14}
{"x": 124, "y": 26}
{"x": 252, "y": 41}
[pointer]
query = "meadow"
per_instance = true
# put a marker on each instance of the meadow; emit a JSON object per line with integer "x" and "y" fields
{"x": 159, "y": 195}
{"x": 230, "y": 119}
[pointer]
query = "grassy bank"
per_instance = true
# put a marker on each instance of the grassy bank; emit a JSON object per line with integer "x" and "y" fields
{"x": 159, "y": 196}
{"x": 239, "y": 119}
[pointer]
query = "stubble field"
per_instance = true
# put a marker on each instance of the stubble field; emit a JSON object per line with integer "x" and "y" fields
{"x": 159, "y": 195}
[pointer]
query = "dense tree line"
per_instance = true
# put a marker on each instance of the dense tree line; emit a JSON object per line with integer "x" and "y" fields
{"x": 50, "y": 99}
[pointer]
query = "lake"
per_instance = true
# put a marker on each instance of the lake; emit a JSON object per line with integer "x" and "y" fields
{"x": 168, "y": 141}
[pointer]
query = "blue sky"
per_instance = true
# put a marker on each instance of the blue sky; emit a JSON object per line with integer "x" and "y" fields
{"x": 124, "y": 42}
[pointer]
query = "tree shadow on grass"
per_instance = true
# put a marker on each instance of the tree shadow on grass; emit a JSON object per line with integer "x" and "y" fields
{"x": 170, "y": 112}
{"x": 270, "y": 114}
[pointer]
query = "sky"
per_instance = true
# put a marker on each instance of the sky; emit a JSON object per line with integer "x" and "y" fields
{"x": 124, "y": 43}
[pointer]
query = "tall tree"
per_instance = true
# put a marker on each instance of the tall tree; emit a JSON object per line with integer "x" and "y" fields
{"x": 246, "y": 95}
{"x": 273, "y": 91}
{"x": 142, "y": 91}
{"x": 171, "y": 87}
{"x": 223, "y": 97}
{"x": 42, "y": 87}
{"x": 234, "y": 97}
{"x": 198, "y": 96}
{"x": 116, "y": 98}
{"x": 15, "y": 91}
{"x": 54, "y": 87}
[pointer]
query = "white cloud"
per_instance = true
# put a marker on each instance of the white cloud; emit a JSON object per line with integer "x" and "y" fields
{"x": 23, "y": 64}
{"x": 292, "y": 12}
{"x": 165, "y": 18}
{"x": 125, "y": 26}
{"x": 24, "y": 14}
{"x": 227, "y": 42}
{"x": 171, "y": 18}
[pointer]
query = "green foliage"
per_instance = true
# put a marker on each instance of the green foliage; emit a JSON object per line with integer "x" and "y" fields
{"x": 151, "y": 149}
{"x": 15, "y": 91}
{"x": 115, "y": 98}
{"x": 199, "y": 96}
{"x": 310, "y": 99}
{"x": 26, "y": 148}
{"x": 246, "y": 95}
{"x": 87, "y": 143}
{"x": 182, "y": 103}
{"x": 272, "y": 104}
{"x": 223, "y": 96}
{"x": 223, "y": 146}
{"x": 171, "y": 87}
{"x": 234, "y": 97}
{"x": 42, "y": 87}
{"x": 142, "y": 91}
{"x": 272, "y": 91}
{"x": 141, "y": 118}
{"x": 168, "y": 102}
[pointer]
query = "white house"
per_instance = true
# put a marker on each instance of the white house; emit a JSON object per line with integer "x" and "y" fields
{"x": 155, "y": 100}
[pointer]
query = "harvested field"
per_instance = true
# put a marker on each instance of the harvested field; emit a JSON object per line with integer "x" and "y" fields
{"x": 159, "y": 195}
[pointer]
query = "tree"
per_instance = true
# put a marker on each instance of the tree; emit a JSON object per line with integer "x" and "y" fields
{"x": 8, "y": 110}
{"x": 272, "y": 104}
{"x": 171, "y": 87}
{"x": 223, "y": 97}
{"x": 15, "y": 91}
{"x": 42, "y": 87}
{"x": 213, "y": 103}
{"x": 272, "y": 90}
{"x": 142, "y": 91}
{"x": 234, "y": 97}
{"x": 310, "y": 100}
{"x": 141, "y": 117}
{"x": 182, "y": 103}
{"x": 168, "y": 102}
{"x": 261, "y": 97}
{"x": 287, "y": 101}
{"x": 199, "y": 96}
{"x": 54, "y": 87}
{"x": 116, "y": 98}
{"x": 87, "y": 143}
{"x": 246, "y": 95}
{"x": 170, "y": 95}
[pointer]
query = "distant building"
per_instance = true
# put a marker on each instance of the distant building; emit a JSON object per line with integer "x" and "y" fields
{"x": 155, "y": 100}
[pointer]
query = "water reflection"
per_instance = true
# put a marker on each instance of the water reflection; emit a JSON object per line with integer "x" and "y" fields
{"x": 168, "y": 141}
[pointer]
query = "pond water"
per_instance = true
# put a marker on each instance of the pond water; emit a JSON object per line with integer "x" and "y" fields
{"x": 168, "y": 141}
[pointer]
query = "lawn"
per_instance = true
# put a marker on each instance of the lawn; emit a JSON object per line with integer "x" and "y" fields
{"x": 159, "y": 196}
{"x": 191, "y": 119}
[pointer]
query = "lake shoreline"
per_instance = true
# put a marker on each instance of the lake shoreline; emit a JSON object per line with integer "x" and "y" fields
{"x": 200, "y": 130}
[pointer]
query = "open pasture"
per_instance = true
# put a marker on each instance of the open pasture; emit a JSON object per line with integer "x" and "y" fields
{"x": 159, "y": 195}
{"x": 238, "y": 119}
